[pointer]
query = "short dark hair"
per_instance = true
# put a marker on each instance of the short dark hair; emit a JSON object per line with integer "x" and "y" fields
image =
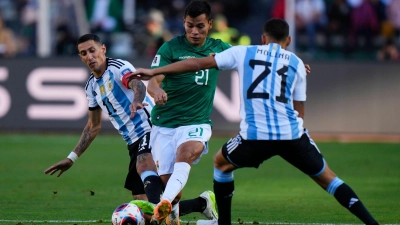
{"x": 88, "y": 37}
{"x": 276, "y": 28}
{"x": 197, "y": 7}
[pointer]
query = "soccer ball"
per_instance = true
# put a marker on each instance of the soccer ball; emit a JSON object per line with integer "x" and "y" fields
{"x": 127, "y": 214}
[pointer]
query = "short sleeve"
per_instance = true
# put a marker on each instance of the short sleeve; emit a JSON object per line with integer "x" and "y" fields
{"x": 90, "y": 96}
{"x": 299, "y": 92}
{"x": 226, "y": 45}
{"x": 228, "y": 59}
{"x": 163, "y": 56}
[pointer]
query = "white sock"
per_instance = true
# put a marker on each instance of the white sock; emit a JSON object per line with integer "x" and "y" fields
{"x": 177, "y": 181}
{"x": 175, "y": 209}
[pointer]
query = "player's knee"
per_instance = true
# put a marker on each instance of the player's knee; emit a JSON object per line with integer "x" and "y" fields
{"x": 189, "y": 151}
{"x": 325, "y": 178}
{"x": 221, "y": 163}
{"x": 145, "y": 163}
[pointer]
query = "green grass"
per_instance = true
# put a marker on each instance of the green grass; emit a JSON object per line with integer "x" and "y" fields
{"x": 274, "y": 193}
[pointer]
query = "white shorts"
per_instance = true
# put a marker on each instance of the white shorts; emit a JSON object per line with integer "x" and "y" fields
{"x": 164, "y": 143}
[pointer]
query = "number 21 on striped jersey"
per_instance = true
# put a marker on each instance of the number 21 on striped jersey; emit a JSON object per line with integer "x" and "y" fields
{"x": 281, "y": 72}
{"x": 202, "y": 78}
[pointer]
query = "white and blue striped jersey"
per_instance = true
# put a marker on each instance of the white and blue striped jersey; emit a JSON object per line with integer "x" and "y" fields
{"x": 113, "y": 97}
{"x": 270, "y": 78}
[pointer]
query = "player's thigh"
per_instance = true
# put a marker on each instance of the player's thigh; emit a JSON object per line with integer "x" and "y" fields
{"x": 304, "y": 155}
{"x": 163, "y": 149}
{"x": 133, "y": 182}
{"x": 144, "y": 157}
{"x": 247, "y": 153}
{"x": 192, "y": 142}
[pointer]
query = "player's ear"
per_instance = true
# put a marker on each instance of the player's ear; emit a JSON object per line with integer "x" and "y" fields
{"x": 104, "y": 49}
{"x": 288, "y": 41}
{"x": 263, "y": 39}
{"x": 210, "y": 22}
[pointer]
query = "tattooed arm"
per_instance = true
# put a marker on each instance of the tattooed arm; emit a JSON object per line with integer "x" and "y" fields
{"x": 89, "y": 133}
{"x": 139, "y": 89}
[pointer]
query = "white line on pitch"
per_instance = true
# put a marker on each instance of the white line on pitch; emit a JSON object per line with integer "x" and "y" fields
{"x": 183, "y": 221}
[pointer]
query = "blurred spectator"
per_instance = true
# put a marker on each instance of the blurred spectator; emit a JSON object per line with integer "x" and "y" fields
{"x": 393, "y": 14}
{"x": 222, "y": 31}
{"x": 28, "y": 11}
{"x": 310, "y": 16}
{"x": 65, "y": 42}
{"x": 338, "y": 13}
{"x": 236, "y": 11}
{"x": 150, "y": 37}
{"x": 7, "y": 41}
{"x": 105, "y": 18}
{"x": 389, "y": 52}
{"x": 9, "y": 13}
{"x": 364, "y": 24}
{"x": 65, "y": 27}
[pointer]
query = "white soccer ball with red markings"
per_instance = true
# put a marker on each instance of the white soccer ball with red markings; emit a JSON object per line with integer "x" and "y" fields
{"x": 127, "y": 214}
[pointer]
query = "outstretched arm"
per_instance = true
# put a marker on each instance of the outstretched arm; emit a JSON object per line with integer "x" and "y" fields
{"x": 89, "y": 133}
{"x": 188, "y": 65}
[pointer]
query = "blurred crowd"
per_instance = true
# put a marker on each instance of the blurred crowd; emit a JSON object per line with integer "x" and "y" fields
{"x": 137, "y": 28}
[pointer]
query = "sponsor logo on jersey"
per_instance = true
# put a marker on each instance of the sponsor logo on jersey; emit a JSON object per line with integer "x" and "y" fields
{"x": 156, "y": 60}
{"x": 186, "y": 57}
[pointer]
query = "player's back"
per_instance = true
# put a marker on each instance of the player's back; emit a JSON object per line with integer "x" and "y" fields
{"x": 270, "y": 79}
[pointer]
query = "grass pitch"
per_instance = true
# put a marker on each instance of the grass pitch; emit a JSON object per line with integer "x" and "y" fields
{"x": 275, "y": 193}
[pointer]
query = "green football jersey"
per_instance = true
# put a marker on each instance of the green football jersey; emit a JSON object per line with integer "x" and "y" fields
{"x": 190, "y": 95}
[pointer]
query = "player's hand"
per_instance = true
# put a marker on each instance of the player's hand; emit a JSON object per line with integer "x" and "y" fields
{"x": 141, "y": 74}
{"x": 61, "y": 166}
{"x": 136, "y": 106}
{"x": 160, "y": 97}
{"x": 308, "y": 68}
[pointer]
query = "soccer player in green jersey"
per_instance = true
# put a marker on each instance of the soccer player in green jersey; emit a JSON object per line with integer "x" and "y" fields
{"x": 181, "y": 117}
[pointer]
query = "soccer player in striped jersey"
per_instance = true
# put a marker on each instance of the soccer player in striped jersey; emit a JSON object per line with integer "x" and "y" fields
{"x": 272, "y": 92}
{"x": 128, "y": 108}
{"x": 126, "y": 104}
